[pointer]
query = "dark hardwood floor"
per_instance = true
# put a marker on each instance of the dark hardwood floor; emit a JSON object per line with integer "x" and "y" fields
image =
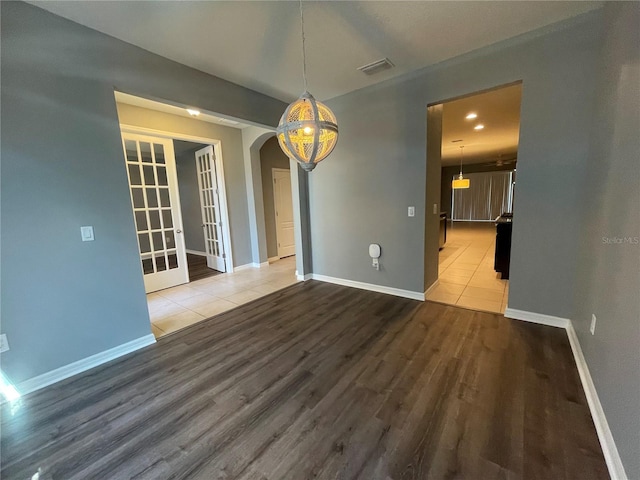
{"x": 198, "y": 268}
{"x": 319, "y": 381}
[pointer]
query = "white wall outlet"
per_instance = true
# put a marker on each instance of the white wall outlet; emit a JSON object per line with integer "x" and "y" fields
{"x": 87, "y": 233}
{"x": 435, "y": 208}
{"x": 4, "y": 343}
{"x": 411, "y": 211}
{"x": 592, "y": 328}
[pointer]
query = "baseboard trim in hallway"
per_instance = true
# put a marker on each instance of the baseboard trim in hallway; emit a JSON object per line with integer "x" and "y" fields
{"x": 398, "y": 292}
{"x": 62, "y": 373}
{"x": 608, "y": 444}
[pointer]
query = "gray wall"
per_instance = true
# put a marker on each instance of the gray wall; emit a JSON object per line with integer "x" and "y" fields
{"x": 233, "y": 163}
{"x": 62, "y": 167}
{"x": 449, "y": 172}
{"x": 379, "y": 166}
{"x": 608, "y": 279}
{"x": 190, "y": 199}
{"x": 271, "y": 156}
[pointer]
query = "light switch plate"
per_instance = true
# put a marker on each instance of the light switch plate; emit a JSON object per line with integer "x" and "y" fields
{"x": 435, "y": 208}
{"x": 87, "y": 233}
{"x": 411, "y": 211}
{"x": 4, "y": 343}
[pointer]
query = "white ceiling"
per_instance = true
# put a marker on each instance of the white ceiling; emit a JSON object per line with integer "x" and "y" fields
{"x": 498, "y": 110}
{"x": 257, "y": 44}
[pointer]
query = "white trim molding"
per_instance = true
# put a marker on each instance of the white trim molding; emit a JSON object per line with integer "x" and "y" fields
{"x": 196, "y": 252}
{"x": 431, "y": 288}
{"x": 251, "y": 265}
{"x": 540, "y": 318}
{"x": 54, "y": 376}
{"x": 304, "y": 278}
{"x": 608, "y": 444}
{"x": 398, "y": 292}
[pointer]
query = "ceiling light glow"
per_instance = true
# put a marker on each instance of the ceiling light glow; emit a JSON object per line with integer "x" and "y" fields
{"x": 471, "y": 116}
{"x": 478, "y": 127}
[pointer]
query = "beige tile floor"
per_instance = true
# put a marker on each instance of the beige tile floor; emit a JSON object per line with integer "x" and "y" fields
{"x": 466, "y": 275}
{"x": 181, "y": 306}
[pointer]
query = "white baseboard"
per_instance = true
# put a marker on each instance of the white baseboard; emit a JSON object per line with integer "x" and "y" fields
{"x": 196, "y": 252}
{"x": 537, "y": 318}
{"x": 608, "y": 444}
{"x": 609, "y": 449}
{"x": 54, "y": 376}
{"x": 304, "y": 278}
{"x": 251, "y": 265}
{"x": 432, "y": 287}
{"x": 369, "y": 286}
{"x": 243, "y": 267}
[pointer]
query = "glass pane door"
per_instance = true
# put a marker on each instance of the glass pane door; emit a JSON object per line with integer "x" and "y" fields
{"x": 153, "y": 184}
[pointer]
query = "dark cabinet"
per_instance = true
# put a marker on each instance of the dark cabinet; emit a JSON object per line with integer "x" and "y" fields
{"x": 443, "y": 229}
{"x": 503, "y": 245}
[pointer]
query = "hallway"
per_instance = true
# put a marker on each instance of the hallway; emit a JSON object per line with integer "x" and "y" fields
{"x": 466, "y": 275}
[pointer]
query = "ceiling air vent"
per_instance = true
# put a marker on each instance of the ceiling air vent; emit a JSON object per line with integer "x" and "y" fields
{"x": 377, "y": 66}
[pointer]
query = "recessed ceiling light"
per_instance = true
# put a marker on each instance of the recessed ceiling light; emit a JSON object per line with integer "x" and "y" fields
{"x": 478, "y": 127}
{"x": 193, "y": 112}
{"x": 471, "y": 116}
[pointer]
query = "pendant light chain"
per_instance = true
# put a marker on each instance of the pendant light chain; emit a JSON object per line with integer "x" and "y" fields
{"x": 461, "y": 157}
{"x": 304, "y": 52}
{"x": 307, "y": 131}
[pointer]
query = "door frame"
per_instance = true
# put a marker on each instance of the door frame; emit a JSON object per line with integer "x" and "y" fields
{"x": 275, "y": 203}
{"x": 217, "y": 148}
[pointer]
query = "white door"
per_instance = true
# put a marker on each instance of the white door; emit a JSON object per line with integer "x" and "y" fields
{"x": 283, "y": 203}
{"x": 153, "y": 184}
{"x": 209, "y": 187}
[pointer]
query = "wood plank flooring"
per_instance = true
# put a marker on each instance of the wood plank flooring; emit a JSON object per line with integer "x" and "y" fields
{"x": 319, "y": 381}
{"x": 198, "y": 268}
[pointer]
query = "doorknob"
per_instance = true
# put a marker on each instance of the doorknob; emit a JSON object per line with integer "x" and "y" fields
{"x": 178, "y": 231}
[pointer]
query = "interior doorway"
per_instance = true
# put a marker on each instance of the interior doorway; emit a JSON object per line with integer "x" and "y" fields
{"x": 479, "y": 150}
{"x": 183, "y": 154}
{"x": 161, "y": 170}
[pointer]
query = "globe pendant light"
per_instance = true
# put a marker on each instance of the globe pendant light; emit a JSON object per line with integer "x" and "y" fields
{"x": 460, "y": 182}
{"x": 308, "y": 131}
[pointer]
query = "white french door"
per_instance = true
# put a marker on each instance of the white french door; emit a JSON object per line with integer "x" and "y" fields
{"x": 209, "y": 182}
{"x": 153, "y": 184}
{"x": 283, "y": 203}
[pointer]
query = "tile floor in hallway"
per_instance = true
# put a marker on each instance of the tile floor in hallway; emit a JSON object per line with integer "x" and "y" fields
{"x": 466, "y": 274}
{"x": 178, "y": 307}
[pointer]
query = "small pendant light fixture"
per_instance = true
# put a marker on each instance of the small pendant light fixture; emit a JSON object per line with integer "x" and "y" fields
{"x": 308, "y": 131}
{"x": 460, "y": 182}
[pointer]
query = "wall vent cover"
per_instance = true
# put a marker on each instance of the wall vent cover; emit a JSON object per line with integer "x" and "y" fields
{"x": 376, "y": 67}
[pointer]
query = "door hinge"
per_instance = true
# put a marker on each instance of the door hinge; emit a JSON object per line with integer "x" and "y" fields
{"x": 224, "y": 255}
